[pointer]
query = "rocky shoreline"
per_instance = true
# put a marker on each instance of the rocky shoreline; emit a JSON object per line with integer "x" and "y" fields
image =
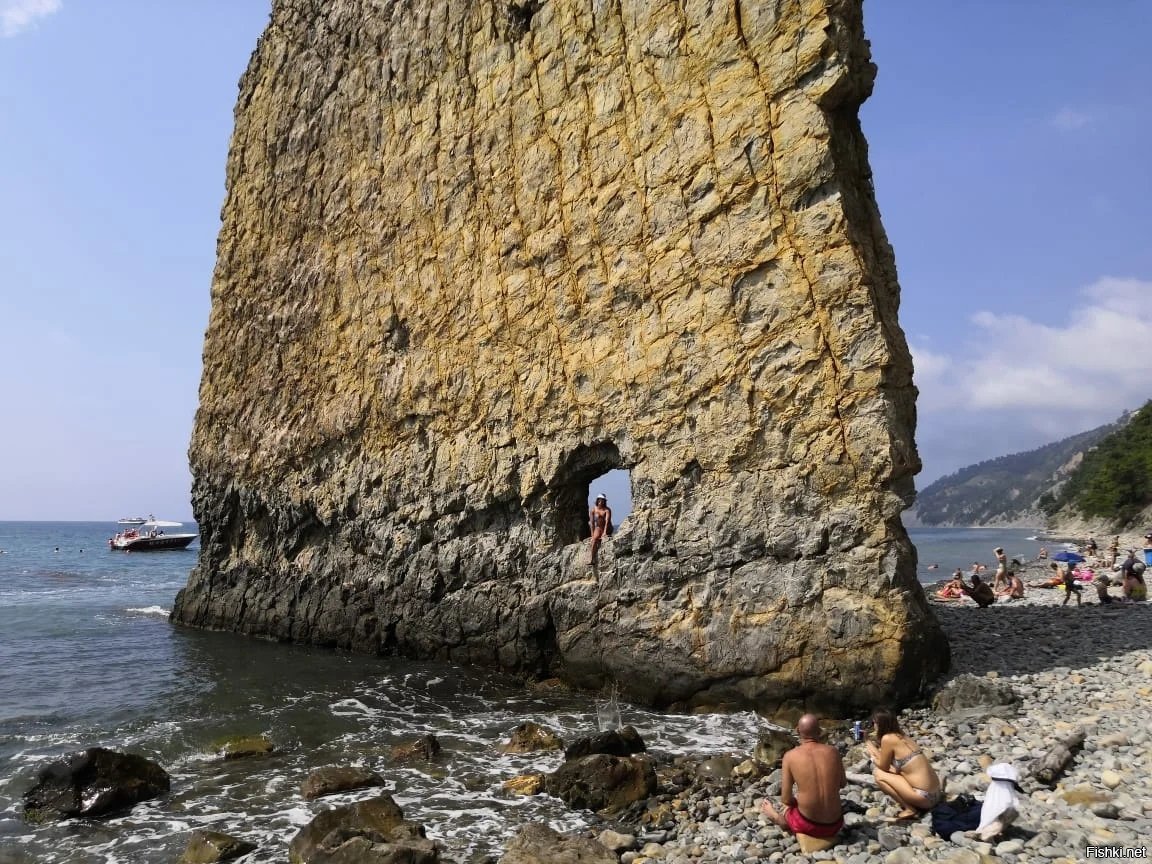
{"x": 1054, "y": 672}
{"x": 1070, "y": 668}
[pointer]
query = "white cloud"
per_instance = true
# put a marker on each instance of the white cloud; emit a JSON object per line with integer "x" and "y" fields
{"x": 16, "y": 16}
{"x": 1014, "y": 383}
{"x": 1070, "y": 119}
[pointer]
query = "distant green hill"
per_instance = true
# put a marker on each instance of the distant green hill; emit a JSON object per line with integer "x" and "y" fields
{"x": 1114, "y": 480}
{"x": 1023, "y": 489}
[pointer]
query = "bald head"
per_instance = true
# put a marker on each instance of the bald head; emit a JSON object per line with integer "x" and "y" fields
{"x": 808, "y": 727}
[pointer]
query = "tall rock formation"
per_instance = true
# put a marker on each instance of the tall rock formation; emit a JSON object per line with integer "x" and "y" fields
{"x": 475, "y": 254}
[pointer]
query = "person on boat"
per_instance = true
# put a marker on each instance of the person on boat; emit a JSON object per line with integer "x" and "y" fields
{"x": 981, "y": 592}
{"x": 954, "y": 590}
{"x": 600, "y": 521}
{"x": 811, "y": 777}
{"x": 900, "y": 767}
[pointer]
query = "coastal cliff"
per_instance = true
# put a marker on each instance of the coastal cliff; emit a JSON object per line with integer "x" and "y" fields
{"x": 476, "y": 254}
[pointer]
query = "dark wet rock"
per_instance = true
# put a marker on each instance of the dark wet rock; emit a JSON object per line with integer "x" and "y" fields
{"x": 971, "y": 698}
{"x": 367, "y": 832}
{"x": 210, "y": 847}
{"x": 424, "y": 749}
{"x": 333, "y": 780}
{"x": 602, "y": 781}
{"x": 772, "y": 745}
{"x": 92, "y": 783}
{"x": 539, "y": 844}
{"x": 615, "y": 742}
{"x": 244, "y": 746}
{"x": 530, "y": 737}
{"x": 716, "y": 768}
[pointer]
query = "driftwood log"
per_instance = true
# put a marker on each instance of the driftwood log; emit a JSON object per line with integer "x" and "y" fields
{"x": 1050, "y": 767}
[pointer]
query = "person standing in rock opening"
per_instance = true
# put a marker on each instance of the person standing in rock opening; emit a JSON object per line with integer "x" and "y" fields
{"x": 600, "y": 521}
{"x": 817, "y": 773}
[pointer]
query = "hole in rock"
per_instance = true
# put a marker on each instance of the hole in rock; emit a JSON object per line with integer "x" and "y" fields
{"x": 617, "y": 485}
{"x": 588, "y": 470}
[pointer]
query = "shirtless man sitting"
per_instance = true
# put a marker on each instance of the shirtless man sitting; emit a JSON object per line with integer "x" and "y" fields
{"x": 817, "y": 772}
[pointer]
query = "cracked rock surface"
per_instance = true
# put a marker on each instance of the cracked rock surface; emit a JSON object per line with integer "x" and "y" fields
{"x": 474, "y": 255}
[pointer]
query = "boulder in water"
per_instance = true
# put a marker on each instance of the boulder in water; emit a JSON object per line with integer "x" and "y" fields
{"x": 92, "y": 783}
{"x": 529, "y": 737}
{"x": 615, "y": 742}
{"x": 423, "y": 749}
{"x": 333, "y": 780}
{"x": 244, "y": 746}
{"x": 367, "y": 832}
{"x": 602, "y": 781}
{"x": 212, "y": 847}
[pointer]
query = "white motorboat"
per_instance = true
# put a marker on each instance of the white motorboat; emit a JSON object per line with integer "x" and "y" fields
{"x": 150, "y": 536}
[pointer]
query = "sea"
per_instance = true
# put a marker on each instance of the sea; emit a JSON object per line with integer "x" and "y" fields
{"x": 88, "y": 658}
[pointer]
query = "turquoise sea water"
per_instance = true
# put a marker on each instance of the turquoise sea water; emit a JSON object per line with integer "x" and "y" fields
{"x": 87, "y": 658}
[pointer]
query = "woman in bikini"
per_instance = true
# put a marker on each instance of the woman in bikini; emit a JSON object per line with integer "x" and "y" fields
{"x": 902, "y": 770}
{"x": 600, "y": 523}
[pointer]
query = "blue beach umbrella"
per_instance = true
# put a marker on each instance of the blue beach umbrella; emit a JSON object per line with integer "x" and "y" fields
{"x": 1069, "y": 557}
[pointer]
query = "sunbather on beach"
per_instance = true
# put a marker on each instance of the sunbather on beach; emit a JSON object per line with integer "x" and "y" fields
{"x": 981, "y": 592}
{"x": 1057, "y": 578}
{"x": 1014, "y": 590}
{"x": 954, "y": 590}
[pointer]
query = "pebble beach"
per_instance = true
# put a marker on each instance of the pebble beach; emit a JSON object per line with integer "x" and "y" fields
{"x": 1086, "y": 667}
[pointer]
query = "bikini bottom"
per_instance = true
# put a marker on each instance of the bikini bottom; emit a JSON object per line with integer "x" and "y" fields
{"x": 931, "y": 799}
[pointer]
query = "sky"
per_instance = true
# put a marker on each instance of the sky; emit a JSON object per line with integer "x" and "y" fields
{"x": 1009, "y": 142}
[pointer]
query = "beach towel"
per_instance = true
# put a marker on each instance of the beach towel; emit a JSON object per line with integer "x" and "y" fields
{"x": 962, "y": 813}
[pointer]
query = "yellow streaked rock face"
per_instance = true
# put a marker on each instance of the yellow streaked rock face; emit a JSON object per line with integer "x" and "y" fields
{"x": 475, "y": 254}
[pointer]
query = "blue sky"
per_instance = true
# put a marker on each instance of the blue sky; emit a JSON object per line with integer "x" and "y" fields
{"x": 1008, "y": 138}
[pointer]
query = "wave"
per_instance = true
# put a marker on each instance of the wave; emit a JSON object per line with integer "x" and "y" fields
{"x": 149, "y": 610}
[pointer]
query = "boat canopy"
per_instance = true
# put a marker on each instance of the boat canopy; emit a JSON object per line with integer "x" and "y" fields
{"x": 160, "y": 523}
